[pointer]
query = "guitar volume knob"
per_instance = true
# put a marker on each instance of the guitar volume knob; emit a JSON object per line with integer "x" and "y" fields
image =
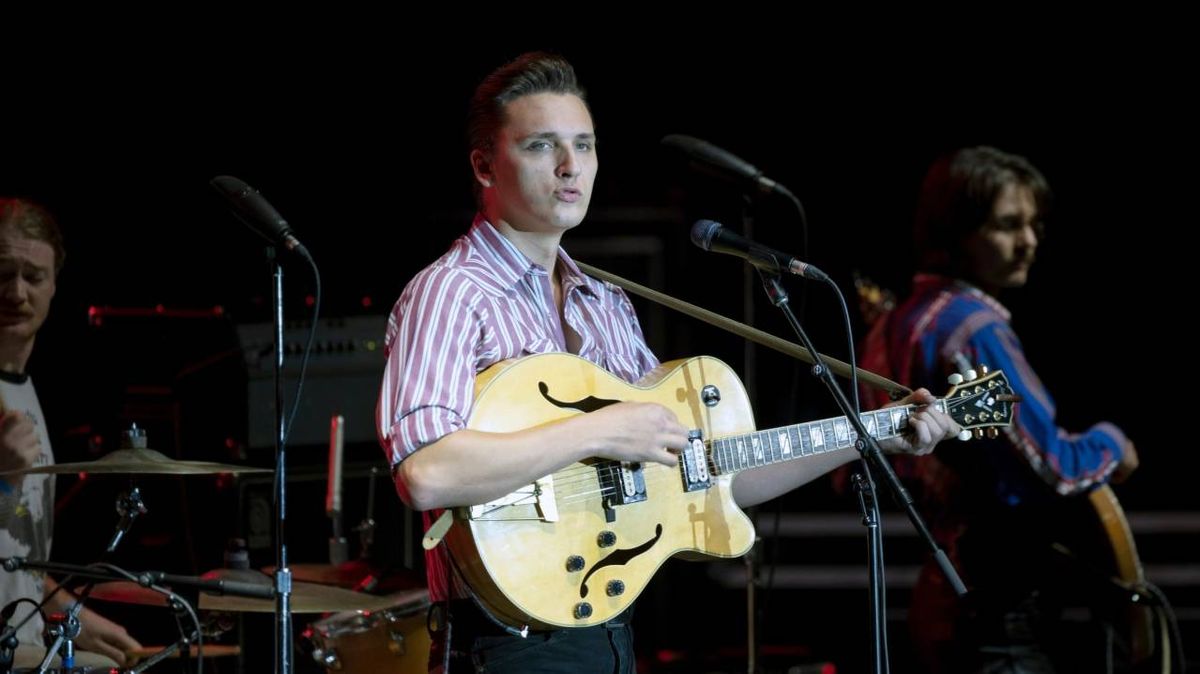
{"x": 606, "y": 539}
{"x": 575, "y": 563}
{"x": 583, "y": 610}
{"x": 615, "y": 588}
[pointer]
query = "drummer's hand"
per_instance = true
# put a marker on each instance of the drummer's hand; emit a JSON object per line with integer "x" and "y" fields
{"x": 19, "y": 444}
{"x": 101, "y": 635}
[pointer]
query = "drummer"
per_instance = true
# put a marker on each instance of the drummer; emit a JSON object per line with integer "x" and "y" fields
{"x": 31, "y": 255}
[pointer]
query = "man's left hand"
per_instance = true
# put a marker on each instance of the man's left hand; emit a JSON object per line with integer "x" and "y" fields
{"x": 926, "y": 426}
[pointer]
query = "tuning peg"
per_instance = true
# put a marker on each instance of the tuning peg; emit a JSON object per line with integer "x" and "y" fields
{"x": 964, "y": 435}
{"x": 983, "y": 369}
{"x": 955, "y": 379}
{"x": 978, "y": 433}
{"x": 992, "y": 433}
{"x": 970, "y": 375}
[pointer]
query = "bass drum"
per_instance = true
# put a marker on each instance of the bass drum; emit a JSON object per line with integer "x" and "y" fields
{"x": 392, "y": 640}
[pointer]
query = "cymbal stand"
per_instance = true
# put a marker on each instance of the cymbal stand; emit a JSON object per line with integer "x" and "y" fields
{"x": 129, "y": 504}
{"x": 186, "y": 639}
{"x": 366, "y": 528}
{"x": 65, "y": 627}
{"x": 366, "y": 540}
{"x": 129, "y": 507}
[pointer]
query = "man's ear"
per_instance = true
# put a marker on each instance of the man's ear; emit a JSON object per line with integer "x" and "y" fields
{"x": 481, "y": 164}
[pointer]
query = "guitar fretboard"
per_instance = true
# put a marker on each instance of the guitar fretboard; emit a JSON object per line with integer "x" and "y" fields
{"x": 760, "y": 448}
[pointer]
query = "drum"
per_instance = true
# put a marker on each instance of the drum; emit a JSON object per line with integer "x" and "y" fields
{"x": 392, "y": 640}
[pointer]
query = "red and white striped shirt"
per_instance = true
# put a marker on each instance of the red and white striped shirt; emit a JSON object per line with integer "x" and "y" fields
{"x": 480, "y": 303}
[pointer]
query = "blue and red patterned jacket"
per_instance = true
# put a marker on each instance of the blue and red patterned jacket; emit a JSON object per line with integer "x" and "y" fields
{"x": 946, "y": 326}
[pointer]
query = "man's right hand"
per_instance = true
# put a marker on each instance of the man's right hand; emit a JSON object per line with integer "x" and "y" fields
{"x": 632, "y": 431}
{"x": 19, "y": 444}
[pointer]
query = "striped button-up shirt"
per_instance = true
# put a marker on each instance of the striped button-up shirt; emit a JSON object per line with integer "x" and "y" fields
{"x": 480, "y": 303}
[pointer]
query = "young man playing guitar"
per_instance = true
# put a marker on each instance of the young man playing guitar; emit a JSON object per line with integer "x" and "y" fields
{"x": 505, "y": 290}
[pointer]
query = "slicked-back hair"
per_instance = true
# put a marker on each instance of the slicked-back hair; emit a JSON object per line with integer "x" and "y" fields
{"x": 529, "y": 73}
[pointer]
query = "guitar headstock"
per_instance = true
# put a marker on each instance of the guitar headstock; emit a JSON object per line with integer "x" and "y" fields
{"x": 980, "y": 403}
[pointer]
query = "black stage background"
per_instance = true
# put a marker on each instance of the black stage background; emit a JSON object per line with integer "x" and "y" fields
{"x": 361, "y": 148}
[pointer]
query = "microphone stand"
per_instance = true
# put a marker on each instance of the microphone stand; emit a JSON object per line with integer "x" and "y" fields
{"x": 283, "y": 575}
{"x": 66, "y": 628}
{"x": 251, "y": 208}
{"x": 872, "y": 459}
{"x": 750, "y": 382}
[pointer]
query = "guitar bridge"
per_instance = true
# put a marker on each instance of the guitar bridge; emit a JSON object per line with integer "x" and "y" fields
{"x": 535, "y": 502}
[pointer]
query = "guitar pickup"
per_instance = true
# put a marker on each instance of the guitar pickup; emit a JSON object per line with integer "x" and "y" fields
{"x": 621, "y": 483}
{"x": 694, "y": 463}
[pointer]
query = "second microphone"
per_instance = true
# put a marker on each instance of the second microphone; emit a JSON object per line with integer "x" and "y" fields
{"x": 712, "y": 236}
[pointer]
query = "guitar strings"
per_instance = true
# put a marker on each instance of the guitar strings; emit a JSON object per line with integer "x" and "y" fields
{"x": 608, "y": 467}
{"x": 601, "y": 477}
{"x": 591, "y": 475}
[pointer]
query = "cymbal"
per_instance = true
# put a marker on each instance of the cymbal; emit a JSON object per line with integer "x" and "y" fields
{"x": 139, "y": 461}
{"x": 127, "y": 592}
{"x": 355, "y": 574}
{"x": 305, "y": 597}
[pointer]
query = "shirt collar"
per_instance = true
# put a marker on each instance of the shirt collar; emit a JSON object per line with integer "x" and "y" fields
{"x": 511, "y": 265}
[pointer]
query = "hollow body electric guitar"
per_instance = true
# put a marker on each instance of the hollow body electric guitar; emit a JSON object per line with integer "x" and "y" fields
{"x": 575, "y": 548}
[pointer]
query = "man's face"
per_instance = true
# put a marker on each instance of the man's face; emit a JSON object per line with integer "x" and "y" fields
{"x": 1000, "y": 253}
{"x": 539, "y": 175}
{"x": 26, "y": 284}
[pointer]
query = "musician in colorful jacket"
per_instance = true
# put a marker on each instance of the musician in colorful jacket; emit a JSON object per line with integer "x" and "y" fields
{"x": 507, "y": 289}
{"x": 996, "y": 506}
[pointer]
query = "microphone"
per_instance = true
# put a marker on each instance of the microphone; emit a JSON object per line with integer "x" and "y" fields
{"x": 713, "y": 159}
{"x": 338, "y": 552}
{"x": 253, "y": 209}
{"x": 711, "y": 236}
{"x": 218, "y": 586}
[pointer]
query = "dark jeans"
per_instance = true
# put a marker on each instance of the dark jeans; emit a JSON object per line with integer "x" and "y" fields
{"x": 477, "y": 646}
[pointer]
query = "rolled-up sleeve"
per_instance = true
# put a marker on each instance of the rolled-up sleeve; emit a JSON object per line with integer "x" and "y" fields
{"x": 428, "y": 383}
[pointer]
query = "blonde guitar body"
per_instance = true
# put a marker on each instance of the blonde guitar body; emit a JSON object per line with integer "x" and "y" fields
{"x": 575, "y": 548}
{"x": 518, "y": 561}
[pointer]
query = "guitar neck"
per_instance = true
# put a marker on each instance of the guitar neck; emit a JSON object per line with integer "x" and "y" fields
{"x": 735, "y": 453}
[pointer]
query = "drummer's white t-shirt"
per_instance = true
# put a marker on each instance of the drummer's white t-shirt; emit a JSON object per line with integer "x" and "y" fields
{"x": 26, "y": 513}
